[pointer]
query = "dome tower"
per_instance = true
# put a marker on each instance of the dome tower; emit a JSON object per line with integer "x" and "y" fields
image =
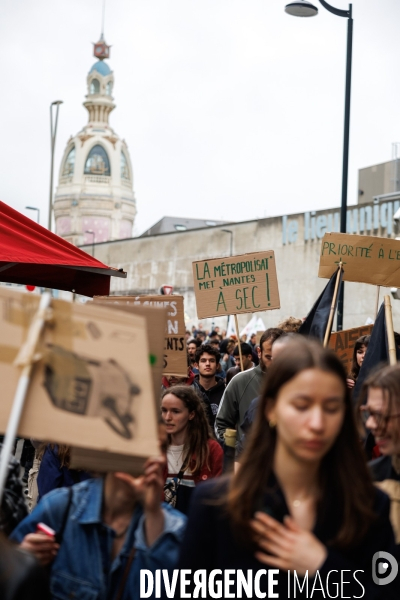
{"x": 94, "y": 200}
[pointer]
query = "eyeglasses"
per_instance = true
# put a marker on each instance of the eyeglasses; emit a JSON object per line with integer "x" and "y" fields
{"x": 380, "y": 419}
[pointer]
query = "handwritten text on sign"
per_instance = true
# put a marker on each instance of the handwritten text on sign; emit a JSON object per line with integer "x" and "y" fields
{"x": 365, "y": 259}
{"x": 343, "y": 342}
{"x": 237, "y": 284}
{"x": 175, "y": 358}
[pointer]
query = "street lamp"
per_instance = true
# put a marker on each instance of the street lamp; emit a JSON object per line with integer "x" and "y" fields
{"x": 231, "y": 244}
{"x": 303, "y": 8}
{"x": 37, "y": 210}
{"x": 93, "y": 234}
{"x": 53, "y": 132}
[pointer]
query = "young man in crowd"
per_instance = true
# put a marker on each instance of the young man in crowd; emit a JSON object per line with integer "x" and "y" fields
{"x": 192, "y": 346}
{"x": 243, "y": 388}
{"x": 211, "y": 385}
{"x": 247, "y": 358}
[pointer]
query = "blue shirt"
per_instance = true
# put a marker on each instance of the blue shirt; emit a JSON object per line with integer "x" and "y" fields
{"x": 83, "y": 567}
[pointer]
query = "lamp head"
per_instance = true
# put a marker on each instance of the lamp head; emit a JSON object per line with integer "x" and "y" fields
{"x": 301, "y": 8}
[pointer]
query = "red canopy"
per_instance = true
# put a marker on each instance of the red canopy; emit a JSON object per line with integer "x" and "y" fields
{"x": 32, "y": 255}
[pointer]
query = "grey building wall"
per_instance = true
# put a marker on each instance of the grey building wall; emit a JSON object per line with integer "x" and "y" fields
{"x": 167, "y": 259}
{"x": 377, "y": 180}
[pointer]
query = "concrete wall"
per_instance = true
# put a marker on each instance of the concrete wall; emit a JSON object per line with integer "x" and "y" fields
{"x": 167, "y": 259}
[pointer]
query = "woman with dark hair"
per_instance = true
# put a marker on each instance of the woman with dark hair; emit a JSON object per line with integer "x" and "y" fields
{"x": 193, "y": 455}
{"x": 360, "y": 348}
{"x": 54, "y": 470}
{"x": 21, "y": 577}
{"x": 302, "y": 500}
{"x": 381, "y": 415}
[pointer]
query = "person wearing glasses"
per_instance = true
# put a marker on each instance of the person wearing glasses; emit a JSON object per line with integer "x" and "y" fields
{"x": 381, "y": 416}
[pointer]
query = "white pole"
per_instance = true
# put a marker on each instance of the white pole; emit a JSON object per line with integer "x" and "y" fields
{"x": 26, "y": 354}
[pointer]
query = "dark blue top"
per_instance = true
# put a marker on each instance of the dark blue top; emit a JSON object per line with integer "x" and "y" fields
{"x": 52, "y": 475}
{"x": 210, "y": 543}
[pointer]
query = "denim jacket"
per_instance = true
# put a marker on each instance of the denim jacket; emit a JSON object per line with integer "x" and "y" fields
{"x": 83, "y": 568}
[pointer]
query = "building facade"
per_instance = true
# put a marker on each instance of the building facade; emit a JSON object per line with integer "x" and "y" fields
{"x": 94, "y": 200}
{"x": 156, "y": 260}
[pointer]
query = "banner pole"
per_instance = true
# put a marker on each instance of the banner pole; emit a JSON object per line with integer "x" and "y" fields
{"x": 390, "y": 331}
{"x": 239, "y": 343}
{"x": 378, "y": 289}
{"x": 333, "y": 305}
{"x": 25, "y": 359}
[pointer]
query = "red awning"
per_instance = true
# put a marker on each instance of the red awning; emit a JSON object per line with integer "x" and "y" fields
{"x": 32, "y": 255}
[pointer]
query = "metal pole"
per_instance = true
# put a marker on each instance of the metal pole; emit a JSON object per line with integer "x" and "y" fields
{"x": 53, "y": 134}
{"x": 346, "y": 138}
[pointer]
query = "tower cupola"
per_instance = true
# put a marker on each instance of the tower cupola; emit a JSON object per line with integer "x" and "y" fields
{"x": 94, "y": 201}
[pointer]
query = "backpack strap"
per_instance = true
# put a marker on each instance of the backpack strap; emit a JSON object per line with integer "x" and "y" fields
{"x": 125, "y": 574}
{"x": 60, "y": 532}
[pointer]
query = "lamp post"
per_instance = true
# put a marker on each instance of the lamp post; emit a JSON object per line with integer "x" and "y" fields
{"x": 53, "y": 132}
{"x": 231, "y": 242}
{"x": 37, "y": 210}
{"x": 93, "y": 234}
{"x": 230, "y": 254}
{"x": 303, "y": 8}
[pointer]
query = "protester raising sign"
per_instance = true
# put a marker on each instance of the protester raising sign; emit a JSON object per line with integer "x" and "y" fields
{"x": 91, "y": 387}
{"x": 365, "y": 259}
{"x": 236, "y": 284}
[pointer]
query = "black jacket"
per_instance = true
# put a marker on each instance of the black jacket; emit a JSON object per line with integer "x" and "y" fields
{"x": 21, "y": 577}
{"x": 381, "y": 468}
{"x": 212, "y": 397}
{"x": 210, "y": 543}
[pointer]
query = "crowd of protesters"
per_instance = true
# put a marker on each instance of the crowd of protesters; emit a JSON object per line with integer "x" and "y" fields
{"x": 314, "y": 488}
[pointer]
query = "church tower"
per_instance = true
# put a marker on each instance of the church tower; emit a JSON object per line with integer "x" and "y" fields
{"x": 94, "y": 201}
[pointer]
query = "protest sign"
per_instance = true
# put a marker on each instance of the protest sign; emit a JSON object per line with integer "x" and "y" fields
{"x": 91, "y": 388}
{"x": 156, "y": 323}
{"x": 236, "y": 284}
{"x": 365, "y": 259}
{"x": 342, "y": 343}
{"x": 175, "y": 353}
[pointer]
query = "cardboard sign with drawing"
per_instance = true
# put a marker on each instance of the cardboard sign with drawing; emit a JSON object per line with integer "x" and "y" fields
{"x": 156, "y": 324}
{"x": 91, "y": 386}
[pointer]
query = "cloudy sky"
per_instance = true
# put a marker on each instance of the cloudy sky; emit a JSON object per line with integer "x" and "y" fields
{"x": 231, "y": 109}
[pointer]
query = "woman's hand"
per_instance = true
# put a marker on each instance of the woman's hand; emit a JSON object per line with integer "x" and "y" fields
{"x": 350, "y": 383}
{"x": 42, "y": 546}
{"x": 287, "y": 547}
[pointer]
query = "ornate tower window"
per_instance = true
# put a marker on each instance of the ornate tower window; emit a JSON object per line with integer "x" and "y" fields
{"x": 97, "y": 162}
{"x": 95, "y": 86}
{"x": 69, "y": 163}
{"x": 109, "y": 88}
{"x": 124, "y": 167}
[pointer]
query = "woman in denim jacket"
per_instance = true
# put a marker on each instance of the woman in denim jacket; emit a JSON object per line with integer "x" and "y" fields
{"x": 115, "y": 526}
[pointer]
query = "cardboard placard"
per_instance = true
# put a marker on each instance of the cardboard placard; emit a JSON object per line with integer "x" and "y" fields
{"x": 156, "y": 322}
{"x": 236, "y": 284}
{"x": 366, "y": 259}
{"x": 258, "y": 336}
{"x": 342, "y": 343}
{"x": 91, "y": 388}
{"x": 175, "y": 352}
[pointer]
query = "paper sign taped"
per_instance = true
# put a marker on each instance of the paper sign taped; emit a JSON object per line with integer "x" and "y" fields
{"x": 156, "y": 322}
{"x": 91, "y": 388}
{"x": 237, "y": 284}
{"x": 365, "y": 259}
{"x": 342, "y": 343}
